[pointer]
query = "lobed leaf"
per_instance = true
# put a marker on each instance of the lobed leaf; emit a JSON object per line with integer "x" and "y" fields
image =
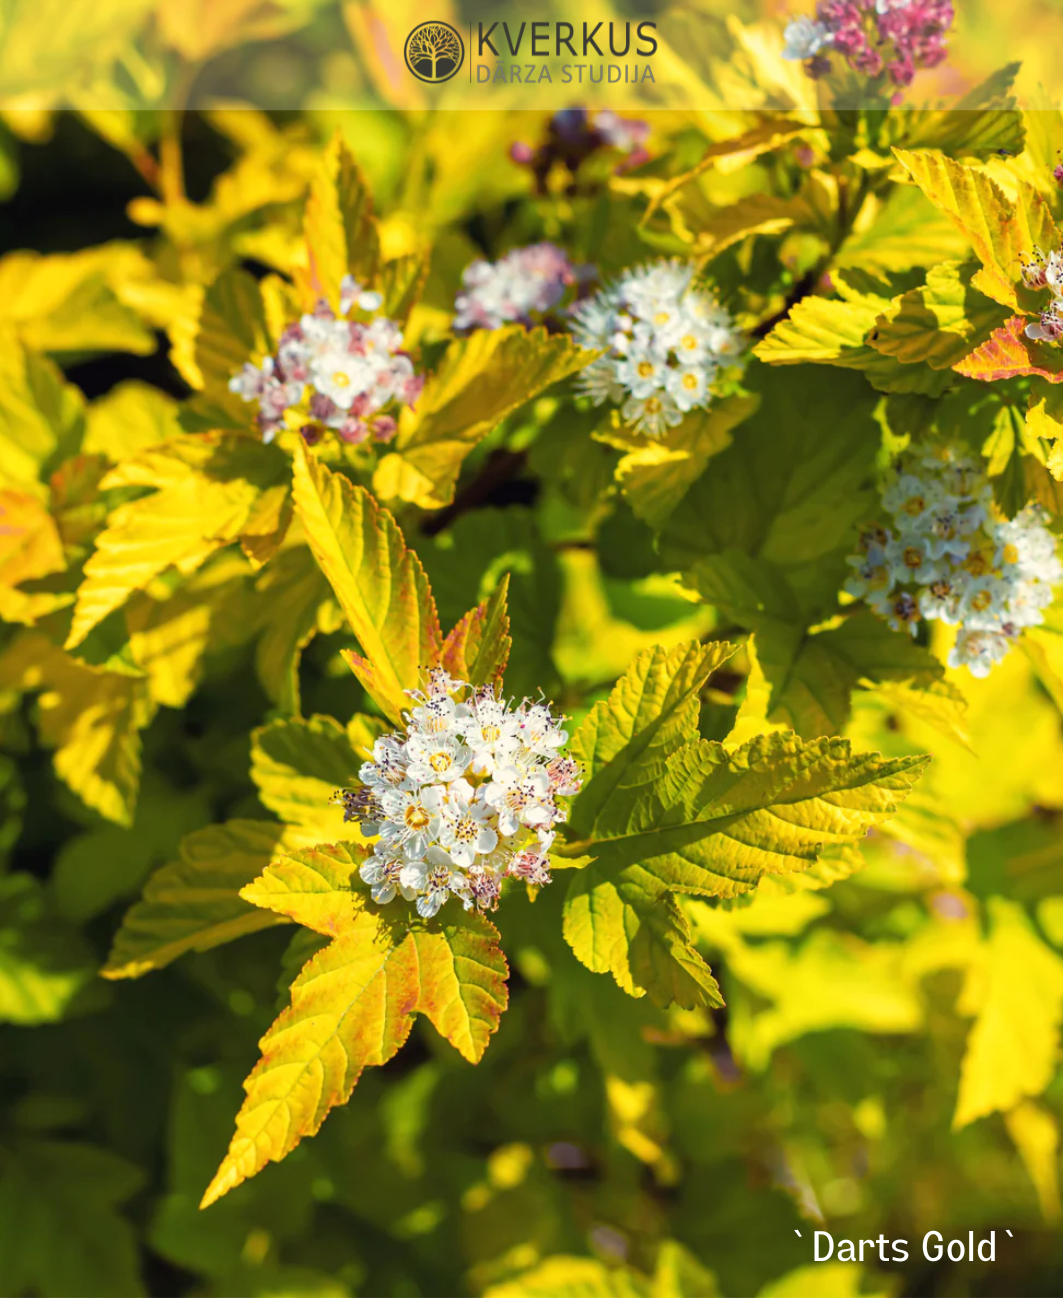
{"x": 625, "y": 741}
{"x": 194, "y": 903}
{"x": 354, "y": 1003}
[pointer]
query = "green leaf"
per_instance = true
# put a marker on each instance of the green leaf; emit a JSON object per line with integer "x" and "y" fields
{"x": 354, "y": 1003}
{"x": 1002, "y": 233}
{"x": 791, "y": 489}
{"x": 716, "y": 822}
{"x": 379, "y": 583}
{"x": 656, "y": 473}
{"x": 831, "y": 331}
{"x": 296, "y": 596}
{"x": 621, "y": 926}
{"x": 938, "y": 323}
{"x": 907, "y": 231}
{"x": 478, "y": 648}
{"x": 626, "y": 740}
{"x": 60, "y": 1229}
{"x": 43, "y": 964}
{"x": 194, "y": 904}
{"x": 481, "y": 380}
{"x": 468, "y": 562}
{"x": 297, "y": 766}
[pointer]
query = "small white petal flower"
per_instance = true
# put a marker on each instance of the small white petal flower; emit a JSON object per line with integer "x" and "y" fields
{"x": 804, "y": 38}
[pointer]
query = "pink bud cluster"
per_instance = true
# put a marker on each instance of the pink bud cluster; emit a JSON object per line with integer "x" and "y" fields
{"x": 346, "y": 372}
{"x": 892, "y": 38}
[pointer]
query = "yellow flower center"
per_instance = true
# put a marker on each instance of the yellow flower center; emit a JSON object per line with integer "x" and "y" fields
{"x": 341, "y": 380}
{"x": 981, "y": 601}
{"x": 653, "y": 405}
{"x": 662, "y": 317}
{"x": 1011, "y": 554}
{"x": 914, "y": 505}
{"x": 416, "y": 817}
{"x": 646, "y": 369}
{"x": 913, "y": 557}
{"x": 689, "y": 342}
{"x": 490, "y": 734}
{"x": 690, "y": 382}
{"x": 439, "y": 761}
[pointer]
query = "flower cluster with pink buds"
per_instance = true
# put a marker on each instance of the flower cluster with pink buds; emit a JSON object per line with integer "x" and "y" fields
{"x": 1041, "y": 272}
{"x": 463, "y": 798}
{"x": 520, "y": 287}
{"x": 574, "y": 135}
{"x": 342, "y": 371}
{"x": 891, "y": 38}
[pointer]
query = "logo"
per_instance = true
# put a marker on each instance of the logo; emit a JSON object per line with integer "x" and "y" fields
{"x": 434, "y": 52}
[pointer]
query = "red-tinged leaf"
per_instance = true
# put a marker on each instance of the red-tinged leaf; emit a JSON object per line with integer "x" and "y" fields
{"x": 354, "y": 1003}
{"x": 1008, "y": 353}
{"x": 378, "y": 581}
{"x": 478, "y": 647}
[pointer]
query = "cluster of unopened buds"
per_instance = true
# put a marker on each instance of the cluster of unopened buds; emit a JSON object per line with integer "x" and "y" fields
{"x": 343, "y": 371}
{"x": 895, "y": 37}
{"x": 520, "y": 287}
{"x": 465, "y": 797}
{"x": 950, "y": 555}
{"x": 574, "y": 135}
{"x": 1041, "y": 272}
{"x": 666, "y": 342}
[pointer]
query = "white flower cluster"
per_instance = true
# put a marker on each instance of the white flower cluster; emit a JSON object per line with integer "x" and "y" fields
{"x": 348, "y": 374}
{"x": 951, "y": 555}
{"x": 525, "y": 282}
{"x": 464, "y": 798}
{"x": 667, "y": 340}
{"x": 1042, "y": 272}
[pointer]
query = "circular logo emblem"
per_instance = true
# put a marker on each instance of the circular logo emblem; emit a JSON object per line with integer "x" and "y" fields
{"x": 434, "y": 52}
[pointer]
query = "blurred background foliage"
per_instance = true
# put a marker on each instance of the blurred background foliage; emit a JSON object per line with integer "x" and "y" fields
{"x": 604, "y": 1147}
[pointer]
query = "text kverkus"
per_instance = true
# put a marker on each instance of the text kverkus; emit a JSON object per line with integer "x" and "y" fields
{"x": 935, "y": 1247}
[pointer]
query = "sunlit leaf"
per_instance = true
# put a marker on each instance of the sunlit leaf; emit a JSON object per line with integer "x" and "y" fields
{"x": 354, "y": 1003}
{"x": 481, "y": 379}
{"x": 379, "y": 583}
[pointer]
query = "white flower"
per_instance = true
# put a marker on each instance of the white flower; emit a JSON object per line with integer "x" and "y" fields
{"x": 436, "y": 758}
{"x": 462, "y": 798}
{"x": 412, "y": 819}
{"x": 464, "y": 824}
{"x": 805, "y": 38}
{"x": 665, "y": 341}
{"x": 949, "y": 556}
{"x": 520, "y": 798}
{"x": 383, "y": 873}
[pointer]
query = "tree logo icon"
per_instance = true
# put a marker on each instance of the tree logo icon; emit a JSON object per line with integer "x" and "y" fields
{"x": 434, "y": 52}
